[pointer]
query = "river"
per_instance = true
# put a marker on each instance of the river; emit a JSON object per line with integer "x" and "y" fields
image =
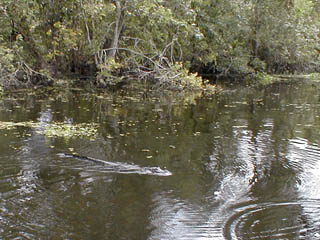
{"x": 242, "y": 164}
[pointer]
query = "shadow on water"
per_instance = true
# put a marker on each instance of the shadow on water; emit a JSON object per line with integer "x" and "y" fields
{"x": 244, "y": 164}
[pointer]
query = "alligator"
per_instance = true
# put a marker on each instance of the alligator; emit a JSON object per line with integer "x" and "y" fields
{"x": 119, "y": 167}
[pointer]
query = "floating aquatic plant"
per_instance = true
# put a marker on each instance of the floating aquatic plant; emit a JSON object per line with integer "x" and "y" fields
{"x": 70, "y": 130}
{"x": 13, "y": 125}
{"x": 56, "y": 129}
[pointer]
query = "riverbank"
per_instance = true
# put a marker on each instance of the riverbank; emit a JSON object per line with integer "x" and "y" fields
{"x": 170, "y": 44}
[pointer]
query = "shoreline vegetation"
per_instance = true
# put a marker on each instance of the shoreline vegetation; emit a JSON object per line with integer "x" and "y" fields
{"x": 167, "y": 44}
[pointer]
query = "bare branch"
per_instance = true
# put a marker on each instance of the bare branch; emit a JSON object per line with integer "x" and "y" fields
{"x": 136, "y": 53}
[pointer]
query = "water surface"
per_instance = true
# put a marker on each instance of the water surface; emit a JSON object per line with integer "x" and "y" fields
{"x": 244, "y": 164}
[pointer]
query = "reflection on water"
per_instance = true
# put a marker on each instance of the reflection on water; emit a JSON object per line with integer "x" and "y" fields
{"x": 244, "y": 164}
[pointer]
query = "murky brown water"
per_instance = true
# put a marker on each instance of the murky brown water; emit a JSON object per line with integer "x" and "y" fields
{"x": 244, "y": 164}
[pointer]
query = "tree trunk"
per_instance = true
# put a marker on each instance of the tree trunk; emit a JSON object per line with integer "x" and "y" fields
{"x": 117, "y": 30}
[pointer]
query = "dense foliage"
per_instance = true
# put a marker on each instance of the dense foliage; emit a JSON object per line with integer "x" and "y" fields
{"x": 159, "y": 40}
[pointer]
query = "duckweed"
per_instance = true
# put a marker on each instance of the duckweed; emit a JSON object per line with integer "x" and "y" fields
{"x": 56, "y": 129}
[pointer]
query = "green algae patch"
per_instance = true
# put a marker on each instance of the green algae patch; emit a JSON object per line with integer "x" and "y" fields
{"x": 313, "y": 76}
{"x": 264, "y": 79}
{"x": 56, "y": 129}
{"x": 14, "y": 125}
{"x": 81, "y": 130}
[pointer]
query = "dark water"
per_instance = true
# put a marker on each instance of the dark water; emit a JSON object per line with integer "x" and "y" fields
{"x": 244, "y": 164}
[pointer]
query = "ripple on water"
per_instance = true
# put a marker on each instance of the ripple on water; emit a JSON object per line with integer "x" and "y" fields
{"x": 283, "y": 220}
{"x": 296, "y": 219}
{"x": 174, "y": 219}
{"x": 304, "y": 157}
{"x": 18, "y": 185}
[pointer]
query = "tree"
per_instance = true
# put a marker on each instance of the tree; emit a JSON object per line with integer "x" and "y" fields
{"x": 158, "y": 40}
